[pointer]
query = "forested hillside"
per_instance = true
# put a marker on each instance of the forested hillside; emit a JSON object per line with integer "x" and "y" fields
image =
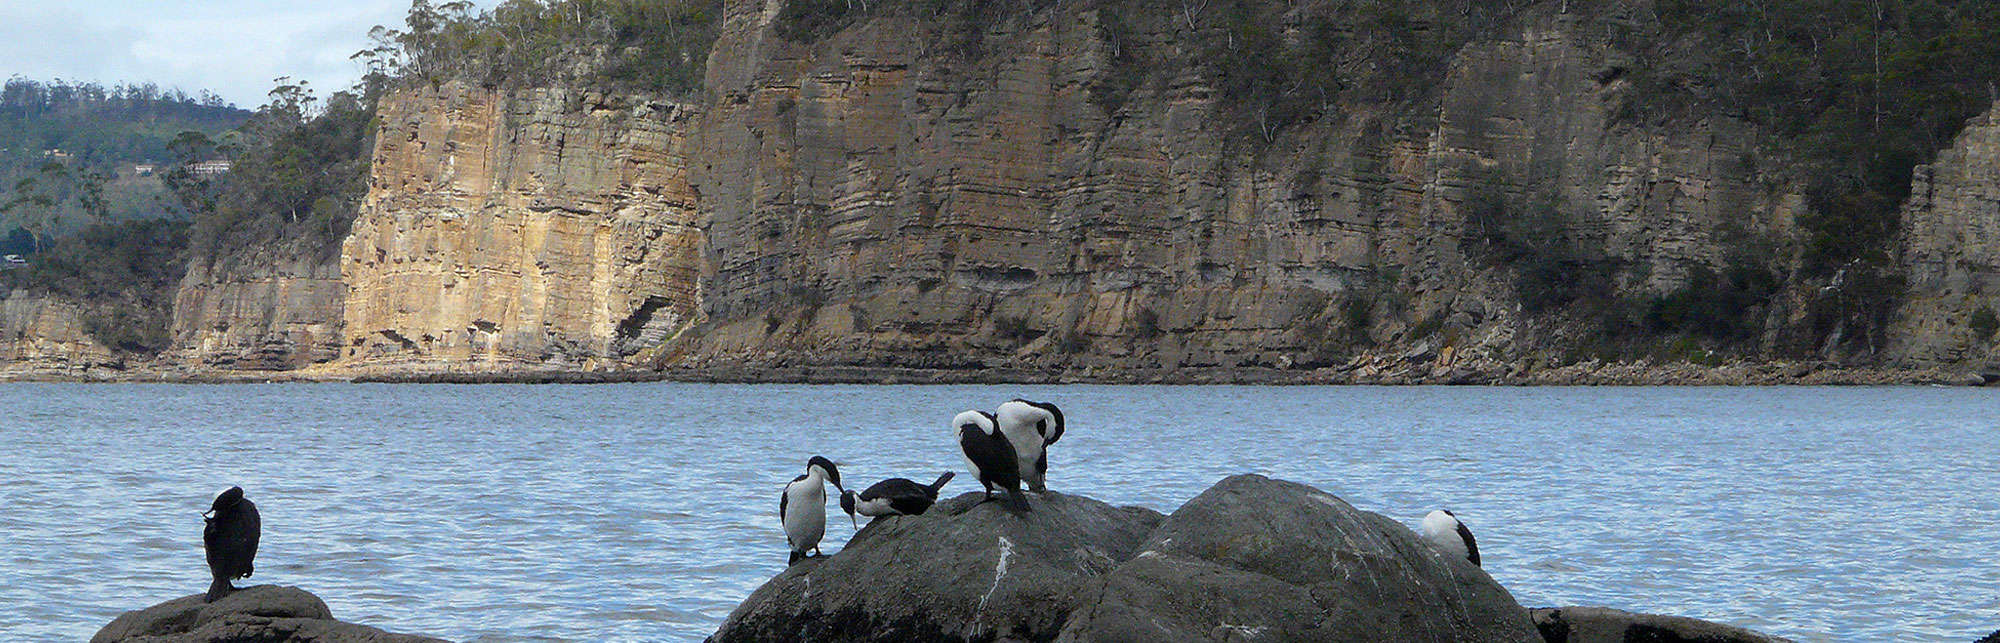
{"x": 68, "y": 151}
{"x": 299, "y": 165}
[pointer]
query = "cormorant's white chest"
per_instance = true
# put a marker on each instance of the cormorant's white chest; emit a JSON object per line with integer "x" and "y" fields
{"x": 1449, "y": 535}
{"x": 876, "y": 507}
{"x": 805, "y": 511}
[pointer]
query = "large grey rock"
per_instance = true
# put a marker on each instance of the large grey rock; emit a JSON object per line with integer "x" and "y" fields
{"x": 1991, "y": 638}
{"x": 962, "y": 571}
{"x": 1259, "y": 559}
{"x": 261, "y": 614}
{"x": 1606, "y": 625}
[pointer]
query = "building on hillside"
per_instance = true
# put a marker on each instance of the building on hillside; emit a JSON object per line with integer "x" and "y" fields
{"x": 143, "y": 169}
{"x": 206, "y": 169}
{"x": 57, "y": 155}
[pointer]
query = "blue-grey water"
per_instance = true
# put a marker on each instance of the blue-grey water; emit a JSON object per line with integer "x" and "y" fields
{"x": 646, "y": 511}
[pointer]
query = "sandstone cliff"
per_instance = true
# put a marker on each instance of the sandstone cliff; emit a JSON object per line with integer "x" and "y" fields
{"x": 263, "y": 312}
{"x": 1950, "y": 252}
{"x": 1061, "y": 187}
{"x": 42, "y": 335}
{"x": 871, "y": 198}
{"x": 548, "y": 228}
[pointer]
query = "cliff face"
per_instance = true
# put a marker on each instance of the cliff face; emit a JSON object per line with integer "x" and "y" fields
{"x": 873, "y": 198}
{"x": 1950, "y": 252}
{"x": 546, "y": 228}
{"x": 261, "y": 312}
{"x": 43, "y": 335}
{"x": 1057, "y": 187}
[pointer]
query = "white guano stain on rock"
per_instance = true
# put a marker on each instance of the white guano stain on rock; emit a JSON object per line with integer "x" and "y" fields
{"x": 999, "y": 571}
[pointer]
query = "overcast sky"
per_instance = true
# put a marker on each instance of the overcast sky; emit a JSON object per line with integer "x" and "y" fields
{"x": 232, "y": 47}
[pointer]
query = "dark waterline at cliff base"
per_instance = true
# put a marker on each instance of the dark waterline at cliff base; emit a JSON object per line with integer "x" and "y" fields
{"x": 1585, "y": 374}
{"x": 646, "y": 511}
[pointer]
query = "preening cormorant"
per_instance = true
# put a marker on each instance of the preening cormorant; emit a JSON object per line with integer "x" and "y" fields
{"x": 1443, "y": 529}
{"x": 229, "y": 537}
{"x": 1031, "y": 427}
{"x": 989, "y": 456}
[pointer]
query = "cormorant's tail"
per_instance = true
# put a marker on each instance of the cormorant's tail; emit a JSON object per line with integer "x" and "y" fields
{"x": 218, "y": 589}
{"x": 939, "y": 485}
{"x": 796, "y": 557}
{"x": 1020, "y": 502}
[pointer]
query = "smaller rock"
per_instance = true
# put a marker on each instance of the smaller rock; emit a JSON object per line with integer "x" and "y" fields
{"x": 264, "y": 613}
{"x": 1991, "y": 638}
{"x": 1606, "y": 625}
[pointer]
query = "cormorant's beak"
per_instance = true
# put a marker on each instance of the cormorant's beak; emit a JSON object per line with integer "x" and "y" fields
{"x": 207, "y": 514}
{"x": 852, "y": 521}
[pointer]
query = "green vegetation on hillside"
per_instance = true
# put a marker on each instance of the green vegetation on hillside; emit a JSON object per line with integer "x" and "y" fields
{"x": 67, "y": 151}
{"x": 297, "y": 182}
{"x": 634, "y": 45}
{"x": 1280, "y": 64}
{"x": 300, "y": 169}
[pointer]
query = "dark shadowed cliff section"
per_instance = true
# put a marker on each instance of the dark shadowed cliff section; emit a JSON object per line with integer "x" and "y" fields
{"x": 888, "y": 193}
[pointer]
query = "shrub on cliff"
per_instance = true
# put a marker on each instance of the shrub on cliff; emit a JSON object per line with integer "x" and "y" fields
{"x": 299, "y": 174}
{"x": 1985, "y": 323}
{"x": 642, "y": 45}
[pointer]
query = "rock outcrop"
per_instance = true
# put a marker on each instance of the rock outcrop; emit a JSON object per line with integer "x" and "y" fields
{"x": 868, "y": 202}
{"x": 965, "y": 570}
{"x": 1254, "y": 557}
{"x": 260, "y": 614}
{"x": 546, "y": 228}
{"x": 44, "y": 335}
{"x": 1605, "y": 625}
{"x": 1250, "y": 557}
{"x": 266, "y": 311}
{"x": 1950, "y": 252}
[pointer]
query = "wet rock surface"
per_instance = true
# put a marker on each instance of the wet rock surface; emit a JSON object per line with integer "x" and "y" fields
{"x": 264, "y": 614}
{"x": 1606, "y": 625}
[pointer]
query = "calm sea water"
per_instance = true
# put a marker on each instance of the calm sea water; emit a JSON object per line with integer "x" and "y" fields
{"x": 646, "y": 511}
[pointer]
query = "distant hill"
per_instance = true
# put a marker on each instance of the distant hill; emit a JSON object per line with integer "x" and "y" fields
{"x": 68, "y": 136}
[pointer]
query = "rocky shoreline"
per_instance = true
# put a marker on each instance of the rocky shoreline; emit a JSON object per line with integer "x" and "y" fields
{"x": 1586, "y": 374}
{"x": 1251, "y": 558}
{"x": 264, "y": 613}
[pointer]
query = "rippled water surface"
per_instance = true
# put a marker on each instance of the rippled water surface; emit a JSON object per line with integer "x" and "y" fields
{"x": 646, "y": 511}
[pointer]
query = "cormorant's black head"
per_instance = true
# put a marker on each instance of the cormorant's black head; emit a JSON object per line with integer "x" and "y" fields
{"x": 847, "y": 505}
{"x": 1054, "y": 430}
{"x": 826, "y": 466}
{"x": 225, "y": 501}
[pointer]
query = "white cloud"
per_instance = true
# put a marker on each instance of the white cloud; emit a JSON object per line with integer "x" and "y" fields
{"x": 232, "y": 47}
